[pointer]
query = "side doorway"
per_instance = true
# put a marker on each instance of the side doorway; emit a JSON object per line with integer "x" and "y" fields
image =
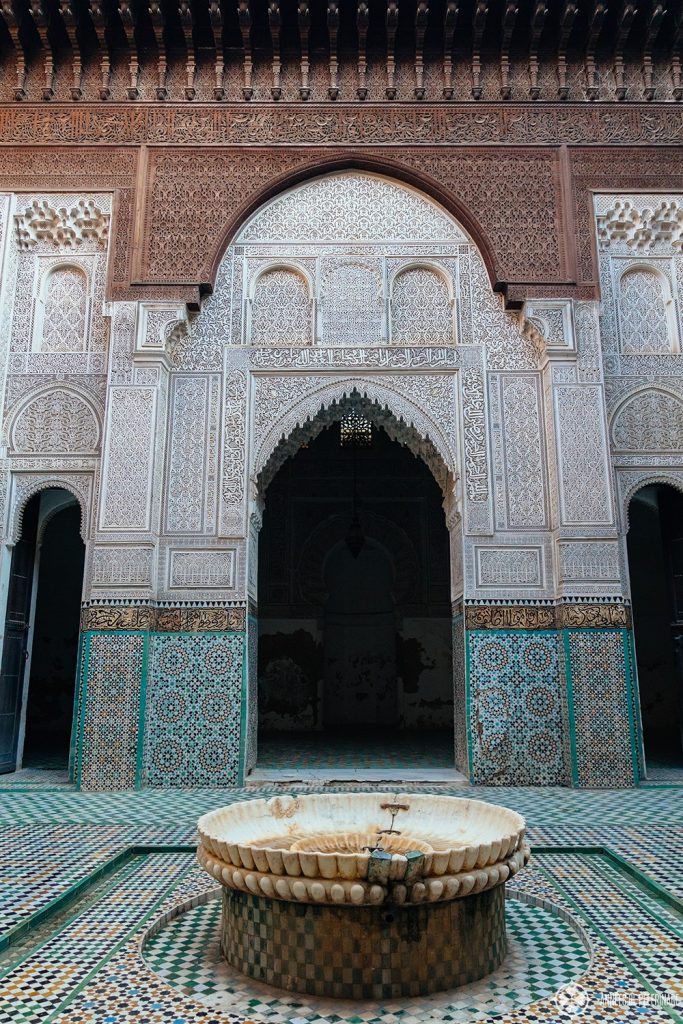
{"x": 40, "y": 652}
{"x": 655, "y": 556}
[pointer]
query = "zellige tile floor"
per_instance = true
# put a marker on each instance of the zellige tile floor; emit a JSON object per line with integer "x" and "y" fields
{"x": 85, "y": 875}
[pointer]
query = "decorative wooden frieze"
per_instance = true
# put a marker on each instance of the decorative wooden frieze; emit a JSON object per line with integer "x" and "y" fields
{"x": 534, "y": 616}
{"x": 516, "y": 616}
{"x": 162, "y": 620}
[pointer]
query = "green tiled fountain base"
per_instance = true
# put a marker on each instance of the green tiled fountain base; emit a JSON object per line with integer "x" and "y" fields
{"x": 545, "y": 954}
{"x": 364, "y": 952}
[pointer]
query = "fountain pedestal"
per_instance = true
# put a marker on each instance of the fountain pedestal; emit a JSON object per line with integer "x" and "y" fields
{"x": 364, "y": 952}
{"x": 363, "y": 895}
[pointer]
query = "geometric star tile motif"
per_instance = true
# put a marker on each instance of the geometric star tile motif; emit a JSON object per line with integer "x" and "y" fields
{"x": 516, "y": 703}
{"x": 192, "y": 712}
{"x": 603, "y": 743}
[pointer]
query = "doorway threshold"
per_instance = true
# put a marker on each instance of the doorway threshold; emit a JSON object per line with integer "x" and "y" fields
{"x": 329, "y": 776}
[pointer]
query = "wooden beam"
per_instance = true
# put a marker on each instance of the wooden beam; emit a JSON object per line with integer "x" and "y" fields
{"x": 304, "y": 19}
{"x": 567, "y": 19}
{"x": 450, "y": 20}
{"x": 216, "y": 18}
{"x": 332, "y": 33}
{"x": 185, "y": 14}
{"x": 129, "y": 21}
{"x": 97, "y": 14}
{"x": 538, "y": 17}
{"x": 40, "y": 20}
{"x": 20, "y": 55}
{"x": 421, "y": 21}
{"x": 392, "y": 25}
{"x": 478, "y": 24}
{"x": 275, "y": 24}
{"x": 362, "y": 21}
{"x": 624, "y": 25}
{"x": 654, "y": 24}
{"x": 509, "y": 17}
{"x": 676, "y": 46}
{"x": 595, "y": 27}
{"x": 156, "y": 12}
{"x": 244, "y": 16}
{"x": 66, "y": 10}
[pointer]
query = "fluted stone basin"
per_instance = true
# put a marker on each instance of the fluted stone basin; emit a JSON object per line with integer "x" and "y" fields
{"x": 363, "y": 894}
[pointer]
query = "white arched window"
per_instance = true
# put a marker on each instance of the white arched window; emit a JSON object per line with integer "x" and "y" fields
{"x": 62, "y": 318}
{"x": 421, "y": 308}
{"x": 281, "y": 309}
{"x": 645, "y": 312}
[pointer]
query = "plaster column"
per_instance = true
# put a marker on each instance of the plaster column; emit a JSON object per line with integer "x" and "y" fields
{"x": 120, "y": 584}
{"x": 592, "y": 614}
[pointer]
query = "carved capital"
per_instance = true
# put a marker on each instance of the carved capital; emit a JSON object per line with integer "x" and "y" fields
{"x": 159, "y": 326}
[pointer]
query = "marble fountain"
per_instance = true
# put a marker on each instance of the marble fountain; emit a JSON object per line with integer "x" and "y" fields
{"x": 369, "y": 895}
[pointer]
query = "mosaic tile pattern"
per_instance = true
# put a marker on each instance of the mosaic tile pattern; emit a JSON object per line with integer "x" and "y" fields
{"x": 106, "y": 824}
{"x": 36, "y": 778}
{"x": 193, "y": 707}
{"x": 604, "y": 731}
{"x": 128, "y": 992}
{"x": 42, "y": 864}
{"x": 78, "y": 703}
{"x": 644, "y": 826}
{"x": 644, "y": 931}
{"x": 544, "y": 955}
{"x": 40, "y": 984}
{"x": 107, "y": 755}
{"x": 551, "y": 812}
{"x": 516, "y": 708}
{"x": 361, "y": 952}
{"x": 251, "y": 739}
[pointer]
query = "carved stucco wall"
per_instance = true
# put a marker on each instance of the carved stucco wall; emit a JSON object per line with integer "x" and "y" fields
{"x": 640, "y": 237}
{"x": 189, "y": 413}
{"x": 352, "y": 242}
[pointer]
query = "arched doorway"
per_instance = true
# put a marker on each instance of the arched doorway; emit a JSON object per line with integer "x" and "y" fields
{"x": 355, "y": 659}
{"x": 655, "y": 555}
{"x": 38, "y": 671}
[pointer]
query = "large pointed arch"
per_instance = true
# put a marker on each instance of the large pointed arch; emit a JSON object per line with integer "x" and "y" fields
{"x": 409, "y": 420}
{"x": 383, "y": 165}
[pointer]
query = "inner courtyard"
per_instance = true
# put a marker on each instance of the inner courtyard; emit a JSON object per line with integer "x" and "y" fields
{"x": 341, "y": 507}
